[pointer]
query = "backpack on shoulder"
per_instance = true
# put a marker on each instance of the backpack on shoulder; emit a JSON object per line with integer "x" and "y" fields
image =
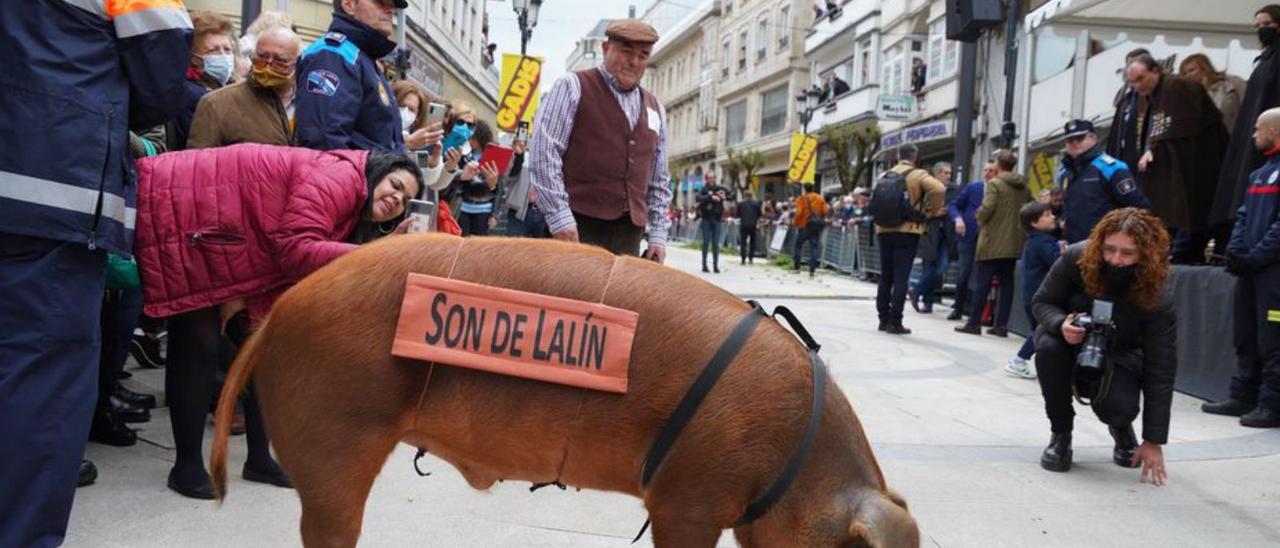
{"x": 891, "y": 203}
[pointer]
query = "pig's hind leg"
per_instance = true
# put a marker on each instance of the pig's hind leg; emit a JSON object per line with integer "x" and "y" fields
{"x": 333, "y": 479}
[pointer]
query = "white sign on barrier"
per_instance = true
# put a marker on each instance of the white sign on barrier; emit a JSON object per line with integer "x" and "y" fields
{"x": 779, "y": 236}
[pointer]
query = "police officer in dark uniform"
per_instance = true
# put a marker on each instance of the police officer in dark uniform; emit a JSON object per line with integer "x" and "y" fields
{"x": 1094, "y": 182}
{"x": 343, "y": 100}
{"x": 1254, "y": 257}
{"x": 75, "y": 78}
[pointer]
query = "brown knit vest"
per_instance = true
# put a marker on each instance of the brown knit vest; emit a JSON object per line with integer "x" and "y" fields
{"x": 607, "y": 168}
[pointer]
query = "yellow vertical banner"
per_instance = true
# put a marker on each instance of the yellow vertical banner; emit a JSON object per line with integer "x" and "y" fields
{"x": 804, "y": 158}
{"x": 518, "y": 94}
{"x": 1042, "y": 171}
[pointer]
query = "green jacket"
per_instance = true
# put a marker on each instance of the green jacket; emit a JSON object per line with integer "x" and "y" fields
{"x": 1002, "y": 236}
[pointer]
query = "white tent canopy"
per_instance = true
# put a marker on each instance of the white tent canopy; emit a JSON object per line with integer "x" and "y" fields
{"x": 1222, "y": 25}
{"x": 1201, "y": 17}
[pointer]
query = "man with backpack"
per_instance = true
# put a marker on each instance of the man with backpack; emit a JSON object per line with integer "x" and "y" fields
{"x": 900, "y": 202}
{"x": 810, "y": 219}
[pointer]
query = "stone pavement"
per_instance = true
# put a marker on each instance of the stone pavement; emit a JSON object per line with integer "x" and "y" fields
{"x": 955, "y": 435}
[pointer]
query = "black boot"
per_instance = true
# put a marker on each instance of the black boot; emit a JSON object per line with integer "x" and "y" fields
{"x": 955, "y": 315}
{"x": 144, "y": 401}
{"x": 1057, "y": 456}
{"x": 1261, "y": 418}
{"x": 1126, "y": 444}
{"x": 88, "y": 473}
{"x": 128, "y": 412}
{"x": 1230, "y": 406}
{"x": 108, "y": 429}
{"x": 270, "y": 474}
{"x": 146, "y": 351}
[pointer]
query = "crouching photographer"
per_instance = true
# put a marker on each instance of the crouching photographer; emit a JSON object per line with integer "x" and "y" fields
{"x": 1107, "y": 334}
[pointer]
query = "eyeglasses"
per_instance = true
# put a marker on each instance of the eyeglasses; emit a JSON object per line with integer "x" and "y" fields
{"x": 279, "y": 63}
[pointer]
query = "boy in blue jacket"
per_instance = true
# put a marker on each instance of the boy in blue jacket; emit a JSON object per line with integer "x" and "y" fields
{"x": 1038, "y": 254}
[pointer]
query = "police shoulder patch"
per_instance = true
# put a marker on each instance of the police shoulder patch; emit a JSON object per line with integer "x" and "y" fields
{"x": 323, "y": 82}
{"x": 1107, "y": 159}
{"x": 1127, "y": 186}
{"x": 335, "y": 37}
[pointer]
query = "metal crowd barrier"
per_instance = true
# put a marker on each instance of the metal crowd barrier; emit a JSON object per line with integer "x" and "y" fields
{"x": 848, "y": 249}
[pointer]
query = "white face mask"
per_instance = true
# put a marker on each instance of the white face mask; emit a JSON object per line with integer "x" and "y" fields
{"x": 407, "y": 118}
{"x": 219, "y": 66}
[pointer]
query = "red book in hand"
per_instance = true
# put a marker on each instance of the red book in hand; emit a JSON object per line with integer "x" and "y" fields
{"x": 498, "y": 155}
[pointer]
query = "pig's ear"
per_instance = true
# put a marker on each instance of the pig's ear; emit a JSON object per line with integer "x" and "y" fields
{"x": 880, "y": 520}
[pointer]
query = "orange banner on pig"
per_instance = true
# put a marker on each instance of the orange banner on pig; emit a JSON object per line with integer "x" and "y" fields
{"x": 515, "y": 333}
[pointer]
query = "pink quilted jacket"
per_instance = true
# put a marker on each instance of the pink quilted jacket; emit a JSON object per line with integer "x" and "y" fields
{"x": 220, "y": 224}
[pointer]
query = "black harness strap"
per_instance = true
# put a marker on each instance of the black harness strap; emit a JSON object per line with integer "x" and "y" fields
{"x": 706, "y": 381}
{"x": 819, "y": 370}
{"x": 701, "y": 387}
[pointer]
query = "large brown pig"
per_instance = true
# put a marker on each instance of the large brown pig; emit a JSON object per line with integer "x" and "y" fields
{"x": 336, "y": 402}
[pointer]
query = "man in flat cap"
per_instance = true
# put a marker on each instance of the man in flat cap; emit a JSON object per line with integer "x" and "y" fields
{"x": 599, "y": 157}
{"x": 1093, "y": 182}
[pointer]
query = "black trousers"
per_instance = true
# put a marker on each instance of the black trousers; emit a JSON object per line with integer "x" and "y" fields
{"x": 1055, "y": 360}
{"x": 1257, "y": 338}
{"x": 195, "y": 339}
{"x": 986, "y": 271}
{"x": 897, "y": 251}
{"x": 814, "y": 238}
{"x": 474, "y": 224}
{"x": 747, "y": 242}
{"x": 619, "y": 236}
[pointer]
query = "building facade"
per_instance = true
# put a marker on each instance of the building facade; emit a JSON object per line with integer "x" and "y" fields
{"x": 587, "y": 52}
{"x": 760, "y": 46}
{"x": 681, "y": 75}
{"x": 447, "y": 40}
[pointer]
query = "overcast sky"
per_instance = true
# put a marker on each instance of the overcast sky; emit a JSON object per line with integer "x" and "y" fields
{"x": 560, "y": 24}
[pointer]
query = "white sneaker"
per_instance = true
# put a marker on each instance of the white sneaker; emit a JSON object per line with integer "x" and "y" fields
{"x": 1018, "y": 367}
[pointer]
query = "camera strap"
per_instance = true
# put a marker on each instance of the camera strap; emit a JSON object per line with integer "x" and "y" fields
{"x": 1104, "y": 386}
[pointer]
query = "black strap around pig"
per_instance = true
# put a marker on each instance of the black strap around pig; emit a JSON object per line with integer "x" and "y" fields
{"x": 706, "y": 381}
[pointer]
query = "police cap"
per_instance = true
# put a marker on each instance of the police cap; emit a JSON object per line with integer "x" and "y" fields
{"x": 1078, "y": 128}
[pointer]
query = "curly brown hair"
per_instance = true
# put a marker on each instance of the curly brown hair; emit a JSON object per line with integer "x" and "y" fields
{"x": 1152, "y": 240}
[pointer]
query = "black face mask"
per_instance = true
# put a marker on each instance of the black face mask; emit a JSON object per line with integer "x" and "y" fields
{"x": 1119, "y": 278}
{"x": 1268, "y": 35}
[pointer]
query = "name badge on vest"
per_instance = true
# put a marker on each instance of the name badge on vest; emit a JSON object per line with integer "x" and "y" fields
{"x": 655, "y": 123}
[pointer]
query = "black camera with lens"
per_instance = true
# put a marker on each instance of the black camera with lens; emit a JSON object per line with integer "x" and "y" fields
{"x": 1098, "y": 328}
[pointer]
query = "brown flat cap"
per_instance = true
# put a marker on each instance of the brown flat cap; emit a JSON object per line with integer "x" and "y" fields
{"x": 634, "y": 31}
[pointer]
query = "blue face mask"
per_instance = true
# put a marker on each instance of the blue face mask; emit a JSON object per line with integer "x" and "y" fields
{"x": 219, "y": 66}
{"x": 457, "y": 137}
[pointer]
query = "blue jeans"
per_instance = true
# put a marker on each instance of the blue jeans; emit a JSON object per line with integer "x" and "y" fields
{"x": 50, "y": 301}
{"x": 534, "y": 224}
{"x": 964, "y": 276}
{"x": 710, "y": 230}
{"x": 1029, "y": 346}
{"x": 814, "y": 237}
{"x": 931, "y": 275}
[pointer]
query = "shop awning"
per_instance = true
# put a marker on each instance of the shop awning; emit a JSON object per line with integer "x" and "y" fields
{"x": 1149, "y": 17}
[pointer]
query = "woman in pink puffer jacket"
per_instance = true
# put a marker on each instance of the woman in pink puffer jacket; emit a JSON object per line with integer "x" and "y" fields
{"x": 239, "y": 225}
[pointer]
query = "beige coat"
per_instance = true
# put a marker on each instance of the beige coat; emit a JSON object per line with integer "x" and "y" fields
{"x": 919, "y": 182}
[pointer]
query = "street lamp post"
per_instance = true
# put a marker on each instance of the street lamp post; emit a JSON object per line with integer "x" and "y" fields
{"x": 527, "y": 12}
{"x": 808, "y": 101}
